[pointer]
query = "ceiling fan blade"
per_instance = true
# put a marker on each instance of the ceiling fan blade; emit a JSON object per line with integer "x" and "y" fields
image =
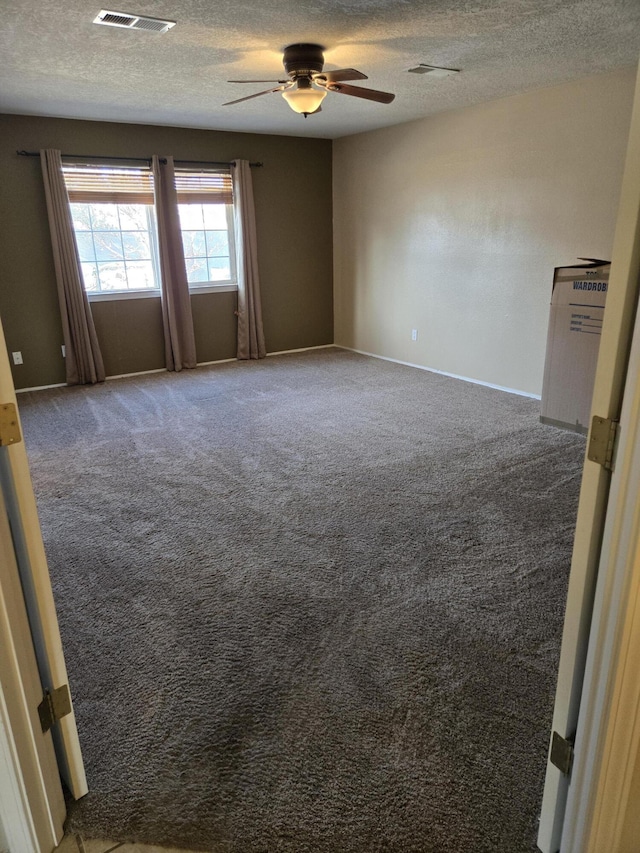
{"x": 258, "y": 81}
{"x": 359, "y": 92}
{"x": 343, "y": 74}
{"x": 257, "y": 95}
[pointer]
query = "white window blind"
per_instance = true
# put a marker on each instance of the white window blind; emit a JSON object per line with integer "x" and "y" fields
{"x": 113, "y": 211}
{"x": 108, "y": 184}
{"x": 134, "y": 185}
{"x": 204, "y": 187}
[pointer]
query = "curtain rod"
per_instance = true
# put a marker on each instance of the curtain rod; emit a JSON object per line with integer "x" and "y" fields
{"x": 23, "y": 153}
{"x": 256, "y": 165}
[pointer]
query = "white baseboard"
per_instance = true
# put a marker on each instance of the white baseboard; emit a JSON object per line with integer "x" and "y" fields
{"x": 308, "y": 349}
{"x": 216, "y": 361}
{"x": 300, "y": 349}
{"x": 138, "y": 373}
{"x": 443, "y": 373}
{"x": 41, "y": 387}
{"x": 164, "y": 369}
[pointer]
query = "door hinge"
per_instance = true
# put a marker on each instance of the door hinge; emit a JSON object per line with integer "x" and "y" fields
{"x": 561, "y": 753}
{"x": 55, "y": 705}
{"x": 603, "y": 439}
{"x": 9, "y": 426}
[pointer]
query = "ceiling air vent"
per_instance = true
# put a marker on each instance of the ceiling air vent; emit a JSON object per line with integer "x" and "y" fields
{"x": 433, "y": 70}
{"x": 132, "y": 22}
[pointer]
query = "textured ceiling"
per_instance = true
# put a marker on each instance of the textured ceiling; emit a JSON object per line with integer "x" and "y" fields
{"x": 55, "y": 61}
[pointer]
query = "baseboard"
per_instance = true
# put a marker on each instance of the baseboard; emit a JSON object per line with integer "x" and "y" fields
{"x": 308, "y": 349}
{"x": 41, "y": 387}
{"x": 138, "y": 373}
{"x": 216, "y": 361}
{"x": 300, "y": 349}
{"x": 443, "y": 373}
{"x": 164, "y": 369}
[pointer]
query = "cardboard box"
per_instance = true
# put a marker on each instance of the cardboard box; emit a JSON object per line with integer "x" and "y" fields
{"x": 575, "y": 324}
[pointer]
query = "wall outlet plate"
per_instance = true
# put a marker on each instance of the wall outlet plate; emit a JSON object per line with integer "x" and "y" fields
{"x": 17, "y": 357}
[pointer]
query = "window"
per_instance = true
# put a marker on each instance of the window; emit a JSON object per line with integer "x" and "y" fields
{"x": 116, "y": 244}
{"x": 205, "y": 204}
{"x": 114, "y": 221}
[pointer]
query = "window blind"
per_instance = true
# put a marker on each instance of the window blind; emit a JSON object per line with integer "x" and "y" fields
{"x": 114, "y": 185}
{"x": 204, "y": 187}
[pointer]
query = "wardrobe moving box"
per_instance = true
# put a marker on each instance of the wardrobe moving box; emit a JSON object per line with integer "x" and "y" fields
{"x": 575, "y": 325}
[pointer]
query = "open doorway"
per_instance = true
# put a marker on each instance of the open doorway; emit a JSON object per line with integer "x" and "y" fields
{"x": 301, "y": 595}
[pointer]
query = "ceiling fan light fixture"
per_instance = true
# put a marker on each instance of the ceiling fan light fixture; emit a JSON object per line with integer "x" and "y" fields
{"x": 308, "y": 84}
{"x": 304, "y": 99}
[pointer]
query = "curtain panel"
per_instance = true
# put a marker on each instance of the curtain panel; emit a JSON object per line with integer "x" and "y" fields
{"x": 250, "y": 333}
{"x": 177, "y": 319}
{"x": 83, "y": 359}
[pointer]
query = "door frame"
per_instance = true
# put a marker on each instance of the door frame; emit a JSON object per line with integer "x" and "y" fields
{"x": 32, "y": 808}
{"x": 600, "y": 573}
{"x": 36, "y": 583}
{"x": 17, "y": 827}
{"x": 607, "y": 747}
{"x": 608, "y": 736}
{"x": 597, "y": 796}
{"x": 31, "y": 660}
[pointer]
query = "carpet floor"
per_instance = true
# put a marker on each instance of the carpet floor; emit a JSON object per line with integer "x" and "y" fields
{"x": 309, "y": 605}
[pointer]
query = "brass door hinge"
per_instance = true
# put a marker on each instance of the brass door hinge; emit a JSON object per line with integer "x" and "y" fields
{"x": 55, "y": 705}
{"x": 561, "y": 753}
{"x": 9, "y": 427}
{"x": 603, "y": 439}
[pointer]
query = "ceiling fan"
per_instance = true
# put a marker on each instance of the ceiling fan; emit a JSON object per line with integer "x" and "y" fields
{"x": 308, "y": 84}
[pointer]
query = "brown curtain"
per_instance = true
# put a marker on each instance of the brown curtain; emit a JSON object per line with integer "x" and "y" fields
{"x": 250, "y": 333}
{"x": 179, "y": 339}
{"x": 83, "y": 359}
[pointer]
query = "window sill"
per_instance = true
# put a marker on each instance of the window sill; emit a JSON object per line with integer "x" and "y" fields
{"x": 213, "y": 288}
{"x": 117, "y": 295}
{"x": 121, "y": 295}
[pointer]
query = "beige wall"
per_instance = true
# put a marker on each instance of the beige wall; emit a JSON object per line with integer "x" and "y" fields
{"x": 293, "y": 204}
{"x": 452, "y": 225}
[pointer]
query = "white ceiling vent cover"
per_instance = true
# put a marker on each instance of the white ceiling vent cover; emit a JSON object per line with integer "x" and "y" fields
{"x": 433, "y": 70}
{"x": 132, "y": 22}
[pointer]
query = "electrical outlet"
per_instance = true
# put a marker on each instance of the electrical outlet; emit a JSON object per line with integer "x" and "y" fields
{"x": 64, "y": 351}
{"x": 17, "y": 357}
{"x": 414, "y": 334}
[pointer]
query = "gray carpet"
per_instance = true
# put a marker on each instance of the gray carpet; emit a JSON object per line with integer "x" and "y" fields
{"x": 309, "y": 605}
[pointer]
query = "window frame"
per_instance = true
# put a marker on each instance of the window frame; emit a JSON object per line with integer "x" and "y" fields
{"x": 226, "y": 285}
{"x": 133, "y": 293}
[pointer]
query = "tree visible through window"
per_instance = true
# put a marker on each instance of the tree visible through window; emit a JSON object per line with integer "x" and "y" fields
{"x": 115, "y": 227}
{"x": 116, "y": 244}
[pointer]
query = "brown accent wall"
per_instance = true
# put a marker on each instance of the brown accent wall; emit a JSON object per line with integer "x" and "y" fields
{"x": 294, "y": 221}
